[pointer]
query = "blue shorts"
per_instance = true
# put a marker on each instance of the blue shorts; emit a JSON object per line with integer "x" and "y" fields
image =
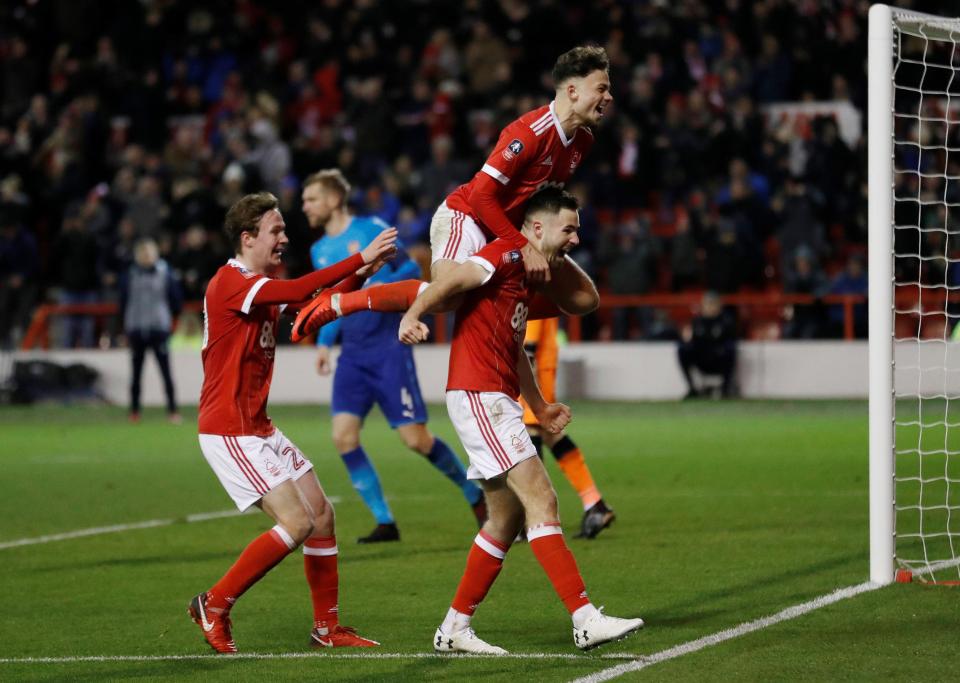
{"x": 388, "y": 379}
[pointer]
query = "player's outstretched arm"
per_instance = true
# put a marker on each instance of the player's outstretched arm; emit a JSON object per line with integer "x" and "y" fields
{"x": 302, "y": 288}
{"x": 553, "y": 417}
{"x": 458, "y": 279}
{"x": 571, "y": 289}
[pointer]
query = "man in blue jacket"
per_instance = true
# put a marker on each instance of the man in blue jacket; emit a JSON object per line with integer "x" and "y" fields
{"x": 373, "y": 367}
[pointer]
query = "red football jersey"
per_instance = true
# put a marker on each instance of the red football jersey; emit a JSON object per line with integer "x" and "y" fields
{"x": 491, "y": 324}
{"x": 530, "y": 153}
{"x": 239, "y": 344}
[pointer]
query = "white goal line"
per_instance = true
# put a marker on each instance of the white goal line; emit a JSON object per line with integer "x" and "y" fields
{"x": 729, "y": 634}
{"x": 636, "y": 662}
{"x": 308, "y": 655}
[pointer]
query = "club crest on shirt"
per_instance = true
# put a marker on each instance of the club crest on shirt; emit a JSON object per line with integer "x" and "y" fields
{"x": 574, "y": 160}
{"x": 243, "y": 270}
{"x": 512, "y": 150}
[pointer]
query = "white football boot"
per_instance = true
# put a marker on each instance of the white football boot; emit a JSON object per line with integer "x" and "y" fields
{"x": 600, "y": 629}
{"x": 464, "y": 640}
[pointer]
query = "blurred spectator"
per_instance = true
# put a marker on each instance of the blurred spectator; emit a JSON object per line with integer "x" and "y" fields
{"x": 413, "y": 120}
{"x": 831, "y": 168}
{"x": 742, "y": 180}
{"x": 442, "y": 174}
{"x": 805, "y": 321}
{"x": 150, "y": 300}
{"x": 852, "y": 280}
{"x": 196, "y": 262}
{"x": 146, "y": 209}
{"x": 487, "y": 61}
{"x": 630, "y": 254}
{"x": 797, "y": 209}
{"x": 20, "y": 76}
{"x": 725, "y": 260}
{"x": 684, "y": 256}
{"x": 233, "y": 186}
{"x": 773, "y": 72}
{"x": 78, "y": 274}
{"x": 270, "y": 155}
{"x": 709, "y": 345}
{"x": 18, "y": 267}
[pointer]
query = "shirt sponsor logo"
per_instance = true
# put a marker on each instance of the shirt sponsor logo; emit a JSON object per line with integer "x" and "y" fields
{"x": 512, "y": 150}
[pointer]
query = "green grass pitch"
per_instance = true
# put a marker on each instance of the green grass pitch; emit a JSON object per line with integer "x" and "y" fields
{"x": 727, "y": 512}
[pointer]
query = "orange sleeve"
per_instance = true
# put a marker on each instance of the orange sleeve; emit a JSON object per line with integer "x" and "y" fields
{"x": 534, "y": 332}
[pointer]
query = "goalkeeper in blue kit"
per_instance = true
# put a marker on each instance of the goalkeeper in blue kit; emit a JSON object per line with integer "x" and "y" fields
{"x": 374, "y": 367}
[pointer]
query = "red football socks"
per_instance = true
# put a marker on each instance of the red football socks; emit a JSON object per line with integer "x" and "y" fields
{"x": 262, "y": 555}
{"x": 393, "y": 297}
{"x": 551, "y": 551}
{"x": 320, "y": 566}
{"x": 484, "y": 563}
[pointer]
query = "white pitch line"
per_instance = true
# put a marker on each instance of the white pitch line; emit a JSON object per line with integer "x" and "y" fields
{"x": 80, "y": 533}
{"x": 748, "y": 627}
{"x": 116, "y": 528}
{"x": 303, "y": 655}
{"x": 932, "y": 567}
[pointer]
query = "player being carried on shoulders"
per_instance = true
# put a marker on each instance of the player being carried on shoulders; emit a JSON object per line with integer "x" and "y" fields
{"x": 254, "y": 461}
{"x": 488, "y": 370}
{"x": 541, "y": 148}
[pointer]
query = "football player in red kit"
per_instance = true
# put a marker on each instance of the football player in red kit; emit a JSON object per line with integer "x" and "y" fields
{"x": 488, "y": 370}
{"x": 543, "y": 147}
{"x": 254, "y": 461}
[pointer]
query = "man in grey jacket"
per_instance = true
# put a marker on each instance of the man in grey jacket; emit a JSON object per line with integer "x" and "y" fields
{"x": 150, "y": 298}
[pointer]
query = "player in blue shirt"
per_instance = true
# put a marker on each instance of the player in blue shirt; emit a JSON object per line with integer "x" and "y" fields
{"x": 374, "y": 367}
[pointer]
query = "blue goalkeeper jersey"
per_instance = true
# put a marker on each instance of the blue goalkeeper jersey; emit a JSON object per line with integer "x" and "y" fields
{"x": 367, "y": 331}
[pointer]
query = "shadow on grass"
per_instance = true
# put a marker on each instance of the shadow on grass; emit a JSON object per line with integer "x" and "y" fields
{"x": 138, "y": 561}
{"x": 681, "y": 613}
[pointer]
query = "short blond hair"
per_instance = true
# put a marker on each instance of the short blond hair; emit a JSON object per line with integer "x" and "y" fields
{"x": 331, "y": 179}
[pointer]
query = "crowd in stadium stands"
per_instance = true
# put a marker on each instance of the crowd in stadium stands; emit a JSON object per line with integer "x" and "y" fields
{"x": 126, "y": 119}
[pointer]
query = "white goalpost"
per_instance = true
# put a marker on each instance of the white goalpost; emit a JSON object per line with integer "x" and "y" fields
{"x": 914, "y": 302}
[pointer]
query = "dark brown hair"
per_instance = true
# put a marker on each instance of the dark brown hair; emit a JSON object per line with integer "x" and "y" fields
{"x": 551, "y": 200}
{"x": 245, "y": 214}
{"x": 579, "y": 62}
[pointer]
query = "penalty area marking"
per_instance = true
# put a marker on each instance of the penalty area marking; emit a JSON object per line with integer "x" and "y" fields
{"x": 117, "y": 528}
{"x": 304, "y": 655}
{"x": 747, "y": 627}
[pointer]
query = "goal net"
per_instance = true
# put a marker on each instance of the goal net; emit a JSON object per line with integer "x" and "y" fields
{"x": 914, "y": 178}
